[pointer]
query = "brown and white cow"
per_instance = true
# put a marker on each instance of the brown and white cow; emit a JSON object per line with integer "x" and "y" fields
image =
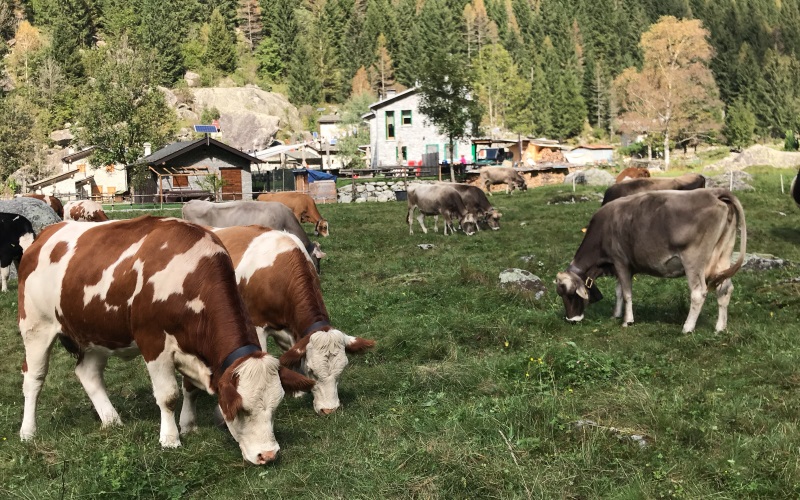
{"x": 477, "y": 203}
{"x": 303, "y": 207}
{"x": 436, "y": 199}
{"x": 282, "y": 292}
{"x": 84, "y": 210}
{"x": 501, "y": 175}
{"x": 162, "y": 288}
{"x": 51, "y": 201}
{"x": 631, "y": 173}
{"x": 685, "y": 182}
{"x": 666, "y": 234}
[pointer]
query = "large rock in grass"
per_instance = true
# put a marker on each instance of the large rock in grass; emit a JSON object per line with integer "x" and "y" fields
{"x": 522, "y": 280}
{"x": 741, "y": 181}
{"x": 759, "y": 261}
{"x": 591, "y": 177}
{"x": 36, "y": 211}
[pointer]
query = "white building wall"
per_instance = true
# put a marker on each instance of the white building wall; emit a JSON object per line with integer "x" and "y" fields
{"x": 416, "y": 137}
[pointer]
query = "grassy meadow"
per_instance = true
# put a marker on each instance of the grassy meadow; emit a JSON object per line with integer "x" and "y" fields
{"x": 472, "y": 391}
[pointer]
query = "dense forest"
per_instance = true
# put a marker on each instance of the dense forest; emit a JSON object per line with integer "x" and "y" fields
{"x": 541, "y": 67}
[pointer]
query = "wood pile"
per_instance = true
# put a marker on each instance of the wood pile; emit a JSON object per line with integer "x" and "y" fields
{"x": 551, "y": 155}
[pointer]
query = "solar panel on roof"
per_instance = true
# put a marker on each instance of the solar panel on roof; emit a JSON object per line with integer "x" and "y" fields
{"x": 206, "y": 129}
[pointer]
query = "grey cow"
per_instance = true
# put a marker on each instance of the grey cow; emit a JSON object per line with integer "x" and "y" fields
{"x": 666, "y": 234}
{"x": 477, "y": 203}
{"x": 438, "y": 199}
{"x": 502, "y": 175}
{"x": 244, "y": 213}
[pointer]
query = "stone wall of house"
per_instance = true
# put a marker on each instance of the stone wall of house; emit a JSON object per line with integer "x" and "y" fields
{"x": 380, "y": 191}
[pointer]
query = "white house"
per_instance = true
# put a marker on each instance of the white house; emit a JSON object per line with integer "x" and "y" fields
{"x": 401, "y": 135}
{"x": 329, "y": 127}
{"x": 80, "y": 180}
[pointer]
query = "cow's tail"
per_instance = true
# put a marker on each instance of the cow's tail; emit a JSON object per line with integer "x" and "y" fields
{"x": 730, "y": 199}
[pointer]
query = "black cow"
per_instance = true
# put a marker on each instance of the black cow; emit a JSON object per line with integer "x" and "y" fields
{"x": 796, "y": 189}
{"x": 16, "y": 233}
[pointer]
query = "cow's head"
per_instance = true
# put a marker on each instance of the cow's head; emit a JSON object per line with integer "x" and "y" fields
{"x": 468, "y": 224}
{"x": 316, "y": 250}
{"x": 575, "y": 294}
{"x": 323, "y": 357}
{"x": 493, "y": 219}
{"x": 321, "y": 228}
{"x": 521, "y": 184}
{"x": 249, "y": 393}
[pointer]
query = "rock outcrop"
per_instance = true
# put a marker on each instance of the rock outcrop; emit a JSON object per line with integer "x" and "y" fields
{"x": 756, "y": 155}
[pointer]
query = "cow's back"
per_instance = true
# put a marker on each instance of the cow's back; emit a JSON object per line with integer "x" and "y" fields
{"x": 474, "y": 198}
{"x": 302, "y": 205}
{"x": 685, "y": 182}
{"x": 51, "y": 201}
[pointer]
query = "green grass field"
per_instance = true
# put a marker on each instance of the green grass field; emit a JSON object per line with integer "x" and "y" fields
{"x": 472, "y": 391}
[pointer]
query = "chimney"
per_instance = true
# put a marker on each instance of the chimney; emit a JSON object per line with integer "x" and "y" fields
{"x": 147, "y": 149}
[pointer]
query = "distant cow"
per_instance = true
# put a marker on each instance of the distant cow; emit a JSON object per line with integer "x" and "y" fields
{"x": 85, "y": 210}
{"x": 795, "y": 190}
{"x": 16, "y": 234}
{"x": 501, "y": 175}
{"x": 51, "y": 201}
{"x": 477, "y": 203}
{"x": 283, "y": 295}
{"x": 633, "y": 173}
{"x": 162, "y": 288}
{"x": 303, "y": 207}
{"x": 438, "y": 199}
{"x": 685, "y": 182}
{"x": 666, "y": 234}
{"x": 245, "y": 213}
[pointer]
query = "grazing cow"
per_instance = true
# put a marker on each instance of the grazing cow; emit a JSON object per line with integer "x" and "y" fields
{"x": 162, "y": 288}
{"x": 435, "y": 199}
{"x": 245, "y": 213}
{"x": 632, "y": 173}
{"x": 666, "y": 234}
{"x": 85, "y": 210}
{"x": 303, "y": 207}
{"x": 16, "y": 234}
{"x": 478, "y": 204}
{"x": 51, "y": 201}
{"x": 795, "y": 189}
{"x": 501, "y": 175}
{"x": 685, "y": 182}
{"x": 282, "y": 293}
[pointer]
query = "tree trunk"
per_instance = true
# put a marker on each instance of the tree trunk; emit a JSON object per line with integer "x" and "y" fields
{"x": 666, "y": 151}
{"x": 452, "y": 162}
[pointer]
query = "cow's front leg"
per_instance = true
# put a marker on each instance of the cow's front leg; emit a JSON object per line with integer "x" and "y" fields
{"x": 436, "y": 224}
{"x": 724, "y": 292}
{"x": 4, "y": 272}
{"x": 625, "y": 282}
{"x": 189, "y": 409}
{"x": 165, "y": 389}
{"x": 618, "y": 304}
{"x": 283, "y": 338}
{"x": 697, "y": 295}
{"x": 410, "y": 219}
{"x": 90, "y": 373}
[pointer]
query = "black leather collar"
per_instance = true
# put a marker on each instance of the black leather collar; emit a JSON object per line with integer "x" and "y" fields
{"x": 238, "y": 353}
{"x": 315, "y": 326}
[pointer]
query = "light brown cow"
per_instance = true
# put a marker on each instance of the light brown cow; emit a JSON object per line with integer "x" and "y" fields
{"x": 501, "y": 175}
{"x": 51, "y": 201}
{"x": 85, "y": 210}
{"x": 282, "y": 292}
{"x": 303, "y": 207}
{"x": 162, "y": 288}
{"x": 438, "y": 199}
{"x": 666, "y": 234}
{"x": 632, "y": 173}
{"x": 685, "y": 182}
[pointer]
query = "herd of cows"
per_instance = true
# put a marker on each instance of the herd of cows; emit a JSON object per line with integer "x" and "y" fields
{"x": 200, "y": 295}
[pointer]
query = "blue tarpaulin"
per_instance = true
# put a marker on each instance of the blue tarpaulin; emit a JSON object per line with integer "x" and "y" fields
{"x": 316, "y": 175}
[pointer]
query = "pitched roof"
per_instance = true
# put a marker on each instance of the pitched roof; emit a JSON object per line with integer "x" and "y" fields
{"x": 329, "y": 119}
{"x": 176, "y": 149}
{"x": 396, "y": 97}
{"x": 77, "y": 156}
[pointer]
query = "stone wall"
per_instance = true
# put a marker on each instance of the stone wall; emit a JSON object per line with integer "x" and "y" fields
{"x": 380, "y": 191}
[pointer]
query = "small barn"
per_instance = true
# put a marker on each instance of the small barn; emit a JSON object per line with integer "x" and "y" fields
{"x": 179, "y": 172}
{"x": 321, "y": 186}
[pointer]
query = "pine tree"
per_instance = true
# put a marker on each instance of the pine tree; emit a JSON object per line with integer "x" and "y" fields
{"x": 540, "y": 100}
{"x": 280, "y": 24}
{"x": 221, "y": 51}
{"x": 304, "y": 84}
{"x": 382, "y": 72}
{"x": 160, "y": 31}
{"x": 740, "y": 124}
{"x": 360, "y": 83}
{"x": 73, "y": 30}
{"x": 250, "y": 22}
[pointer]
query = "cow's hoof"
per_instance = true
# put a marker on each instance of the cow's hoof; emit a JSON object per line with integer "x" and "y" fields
{"x": 626, "y": 324}
{"x": 170, "y": 442}
{"x": 111, "y": 422}
{"x": 187, "y": 428}
{"x": 27, "y": 435}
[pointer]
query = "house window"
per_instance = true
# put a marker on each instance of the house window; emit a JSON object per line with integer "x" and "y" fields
{"x": 404, "y": 153}
{"x": 81, "y": 167}
{"x": 110, "y": 168}
{"x": 406, "y": 117}
{"x": 390, "y": 125}
{"x": 181, "y": 181}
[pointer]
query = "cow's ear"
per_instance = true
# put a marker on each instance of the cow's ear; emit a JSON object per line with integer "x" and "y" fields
{"x": 230, "y": 401}
{"x": 355, "y": 345}
{"x": 317, "y": 252}
{"x": 582, "y": 292}
{"x": 564, "y": 283}
{"x": 295, "y": 353}
{"x": 293, "y": 381}
{"x": 498, "y": 215}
